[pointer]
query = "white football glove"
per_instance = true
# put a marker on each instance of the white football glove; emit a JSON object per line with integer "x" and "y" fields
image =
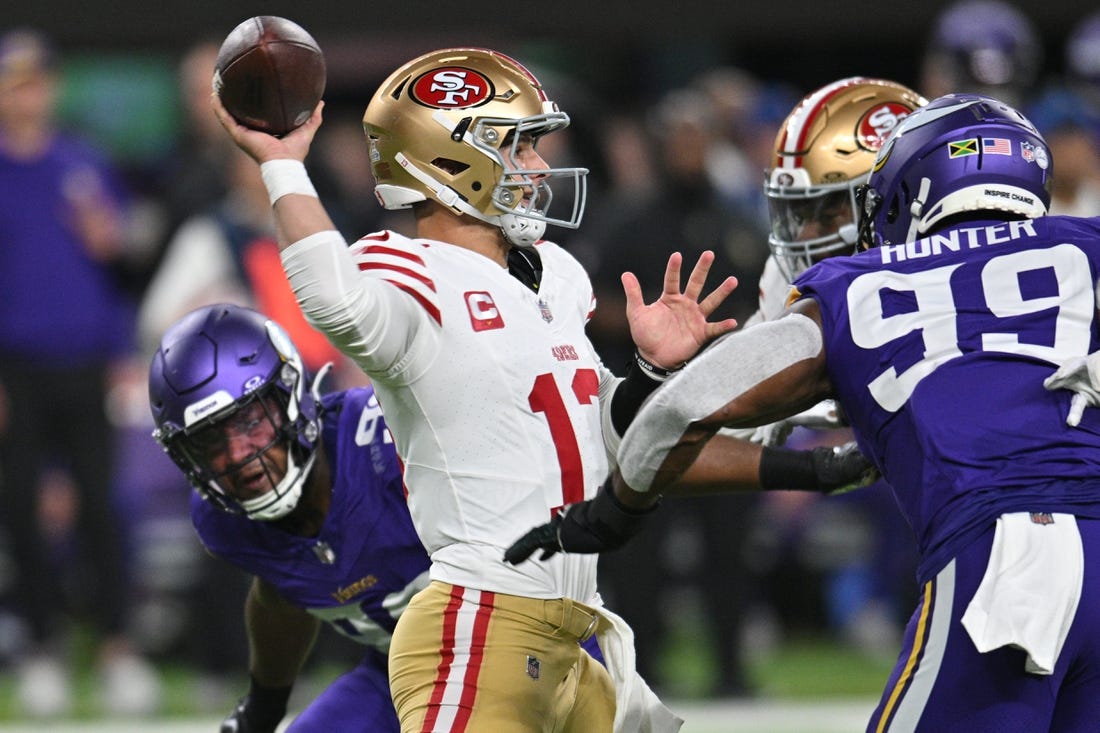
{"x": 1080, "y": 375}
{"x": 822, "y": 416}
{"x": 772, "y": 434}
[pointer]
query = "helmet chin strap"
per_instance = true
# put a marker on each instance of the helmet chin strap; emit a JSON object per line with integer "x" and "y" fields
{"x": 521, "y": 231}
{"x": 916, "y": 209}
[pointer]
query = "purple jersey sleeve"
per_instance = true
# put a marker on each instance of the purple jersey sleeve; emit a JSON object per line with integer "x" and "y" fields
{"x": 359, "y": 572}
{"x": 937, "y": 351}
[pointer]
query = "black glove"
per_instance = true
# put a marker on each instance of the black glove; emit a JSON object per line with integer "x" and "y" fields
{"x": 259, "y": 711}
{"x": 843, "y": 468}
{"x": 595, "y": 525}
{"x": 825, "y": 469}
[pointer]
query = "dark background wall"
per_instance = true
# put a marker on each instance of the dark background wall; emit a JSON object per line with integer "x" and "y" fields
{"x": 805, "y": 42}
{"x": 596, "y": 56}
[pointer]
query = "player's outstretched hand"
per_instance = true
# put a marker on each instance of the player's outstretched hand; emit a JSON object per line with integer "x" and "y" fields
{"x": 673, "y": 328}
{"x": 1080, "y": 375}
{"x": 261, "y": 146}
{"x": 595, "y": 525}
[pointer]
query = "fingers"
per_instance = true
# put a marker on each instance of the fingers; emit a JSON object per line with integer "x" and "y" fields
{"x": 720, "y": 328}
{"x": 308, "y": 128}
{"x": 520, "y": 550}
{"x": 697, "y": 279}
{"x": 544, "y": 537}
{"x": 718, "y": 296}
{"x": 633, "y": 291}
{"x": 672, "y": 274}
{"x": 226, "y": 119}
{"x": 1076, "y": 409}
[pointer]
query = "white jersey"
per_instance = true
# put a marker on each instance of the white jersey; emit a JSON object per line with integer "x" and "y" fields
{"x": 492, "y": 393}
{"x": 774, "y": 289}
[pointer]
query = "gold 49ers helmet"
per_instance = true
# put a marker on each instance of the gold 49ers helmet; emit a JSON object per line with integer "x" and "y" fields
{"x": 447, "y": 126}
{"x": 823, "y": 152}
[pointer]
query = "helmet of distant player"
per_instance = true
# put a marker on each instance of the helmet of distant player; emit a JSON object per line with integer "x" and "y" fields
{"x": 224, "y": 365}
{"x": 447, "y": 125}
{"x": 823, "y": 151}
{"x": 961, "y": 156}
{"x": 988, "y": 47}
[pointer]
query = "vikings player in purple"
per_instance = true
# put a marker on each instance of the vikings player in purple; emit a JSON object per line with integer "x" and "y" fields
{"x": 964, "y": 347}
{"x": 302, "y": 491}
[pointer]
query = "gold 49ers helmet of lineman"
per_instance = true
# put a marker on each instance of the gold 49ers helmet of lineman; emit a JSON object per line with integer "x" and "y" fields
{"x": 823, "y": 151}
{"x": 446, "y": 126}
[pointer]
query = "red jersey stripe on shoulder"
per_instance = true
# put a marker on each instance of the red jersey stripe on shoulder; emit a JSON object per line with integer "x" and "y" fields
{"x": 377, "y": 249}
{"x": 420, "y": 298}
{"x": 390, "y": 267}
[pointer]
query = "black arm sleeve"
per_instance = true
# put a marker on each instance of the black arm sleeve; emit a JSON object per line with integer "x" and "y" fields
{"x": 639, "y": 383}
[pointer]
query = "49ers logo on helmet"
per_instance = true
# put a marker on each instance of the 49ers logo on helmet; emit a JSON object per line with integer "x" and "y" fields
{"x": 451, "y": 87}
{"x": 875, "y": 125}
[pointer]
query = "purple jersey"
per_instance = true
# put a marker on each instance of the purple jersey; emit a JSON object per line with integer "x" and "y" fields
{"x": 360, "y": 572}
{"x": 62, "y": 306}
{"x": 935, "y": 346}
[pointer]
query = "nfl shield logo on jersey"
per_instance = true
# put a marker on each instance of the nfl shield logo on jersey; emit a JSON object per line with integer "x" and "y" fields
{"x": 532, "y": 667}
{"x": 544, "y": 311}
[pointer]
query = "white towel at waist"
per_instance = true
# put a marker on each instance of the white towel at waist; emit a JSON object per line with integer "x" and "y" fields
{"x": 637, "y": 708}
{"x": 1031, "y": 588}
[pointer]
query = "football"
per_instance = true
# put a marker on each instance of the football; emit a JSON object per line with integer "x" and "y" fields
{"x": 270, "y": 74}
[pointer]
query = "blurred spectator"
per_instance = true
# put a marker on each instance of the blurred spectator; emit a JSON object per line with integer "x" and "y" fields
{"x": 63, "y": 321}
{"x": 984, "y": 47}
{"x": 342, "y": 173}
{"x": 681, "y": 210}
{"x": 228, "y": 253}
{"x": 1083, "y": 59}
{"x": 748, "y": 112}
{"x": 694, "y": 544}
{"x": 1071, "y": 126}
{"x": 193, "y": 173}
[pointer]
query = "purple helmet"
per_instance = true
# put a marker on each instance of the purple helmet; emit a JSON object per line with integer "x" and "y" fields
{"x": 1083, "y": 49}
{"x": 212, "y": 366}
{"x": 960, "y": 154}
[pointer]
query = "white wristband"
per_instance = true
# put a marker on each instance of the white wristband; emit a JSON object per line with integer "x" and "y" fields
{"x": 285, "y": 176}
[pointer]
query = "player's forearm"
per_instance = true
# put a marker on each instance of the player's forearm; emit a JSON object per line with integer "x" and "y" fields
{"x": 297, "y": 216}
{"x": 280, "y": 637}
{"x": 723, "y": 386}
{"x": 724, "y": 464}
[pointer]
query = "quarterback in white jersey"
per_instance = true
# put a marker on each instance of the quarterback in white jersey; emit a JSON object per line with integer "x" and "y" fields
{"x": 473, "y": 335}
{"x": 492, "y": 392}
